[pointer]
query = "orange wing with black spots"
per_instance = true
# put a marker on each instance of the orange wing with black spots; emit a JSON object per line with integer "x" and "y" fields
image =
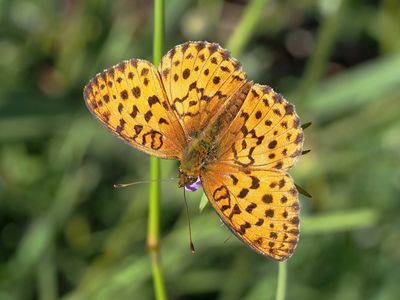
{"x": 199, "y": 78}
{"x": 260, "y": 207}
{"x": 247, "y": 183}
{"x": 130, "y": 101}
{"x": 265, "y": 134}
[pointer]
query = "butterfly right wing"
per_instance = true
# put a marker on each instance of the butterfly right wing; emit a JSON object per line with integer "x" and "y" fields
{"x": 130, "y": 101}
{"x": 265, "y": 134}
{"x": 247, "y": 183}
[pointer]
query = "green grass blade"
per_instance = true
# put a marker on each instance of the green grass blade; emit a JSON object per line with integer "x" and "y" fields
{"x": 153, "y": 238}
{"x": 339, "y": 221}
{"x": 281, "y": 286}
{"x": 246, "y": 26}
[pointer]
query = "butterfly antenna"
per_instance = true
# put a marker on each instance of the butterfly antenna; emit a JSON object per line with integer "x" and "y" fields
{"x": 191, "y": 246}
{"x": 122, "y": 185}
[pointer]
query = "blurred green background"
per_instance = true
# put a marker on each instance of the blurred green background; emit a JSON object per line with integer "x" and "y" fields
{"x": 66, "y": 233}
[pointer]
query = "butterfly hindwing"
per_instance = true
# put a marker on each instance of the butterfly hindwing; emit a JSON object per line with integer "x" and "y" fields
{"x": 261, "y": 207}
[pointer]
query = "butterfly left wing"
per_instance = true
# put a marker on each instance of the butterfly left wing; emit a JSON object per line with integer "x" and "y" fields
{"x": 260, "y": 207}
{"x": 130, "y": 101}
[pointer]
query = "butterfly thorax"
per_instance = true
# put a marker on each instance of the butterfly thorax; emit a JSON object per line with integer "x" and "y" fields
{"x": 196, "y": 157}
{"x": 203, "y": 149}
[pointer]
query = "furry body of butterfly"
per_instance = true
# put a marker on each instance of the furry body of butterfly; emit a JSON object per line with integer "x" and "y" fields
{"x": 204, "y": 149}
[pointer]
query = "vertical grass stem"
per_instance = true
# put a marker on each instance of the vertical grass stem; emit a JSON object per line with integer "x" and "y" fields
{"x": 281, "y": 286}
{"x": 153, "y": 235}
{"x": 247, "y": 25}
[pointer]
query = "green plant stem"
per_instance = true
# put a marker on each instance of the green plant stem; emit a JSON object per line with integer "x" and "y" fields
{"x": 159, "y": 31}
{"x": 153, "y": 235}
{"x": 281, "y": 286}
{"x": 246, "y": 26}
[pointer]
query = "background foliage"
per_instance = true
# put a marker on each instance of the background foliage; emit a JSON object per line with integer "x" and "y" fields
{"x": 65, "y": 233}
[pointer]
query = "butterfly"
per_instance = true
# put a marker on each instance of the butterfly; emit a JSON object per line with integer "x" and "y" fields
{"x": 235, "y": 138}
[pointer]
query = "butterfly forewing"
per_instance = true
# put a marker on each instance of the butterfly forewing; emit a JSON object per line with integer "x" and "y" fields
{"x": 129, "y": 99}
{"x": 199, "y": 78}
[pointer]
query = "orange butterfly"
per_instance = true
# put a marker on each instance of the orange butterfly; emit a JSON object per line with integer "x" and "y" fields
{"x": 237, "y": 137}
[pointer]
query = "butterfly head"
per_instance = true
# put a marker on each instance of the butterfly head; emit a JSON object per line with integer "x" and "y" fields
{"x": 186, "y": 178}
{"x": 190, "y": 182}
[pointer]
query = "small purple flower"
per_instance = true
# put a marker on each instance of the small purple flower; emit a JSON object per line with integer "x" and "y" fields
{"x": 193, "y": 186}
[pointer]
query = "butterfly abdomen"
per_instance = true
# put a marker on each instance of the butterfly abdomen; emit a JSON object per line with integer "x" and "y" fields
{"x": 228, "y": 112}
